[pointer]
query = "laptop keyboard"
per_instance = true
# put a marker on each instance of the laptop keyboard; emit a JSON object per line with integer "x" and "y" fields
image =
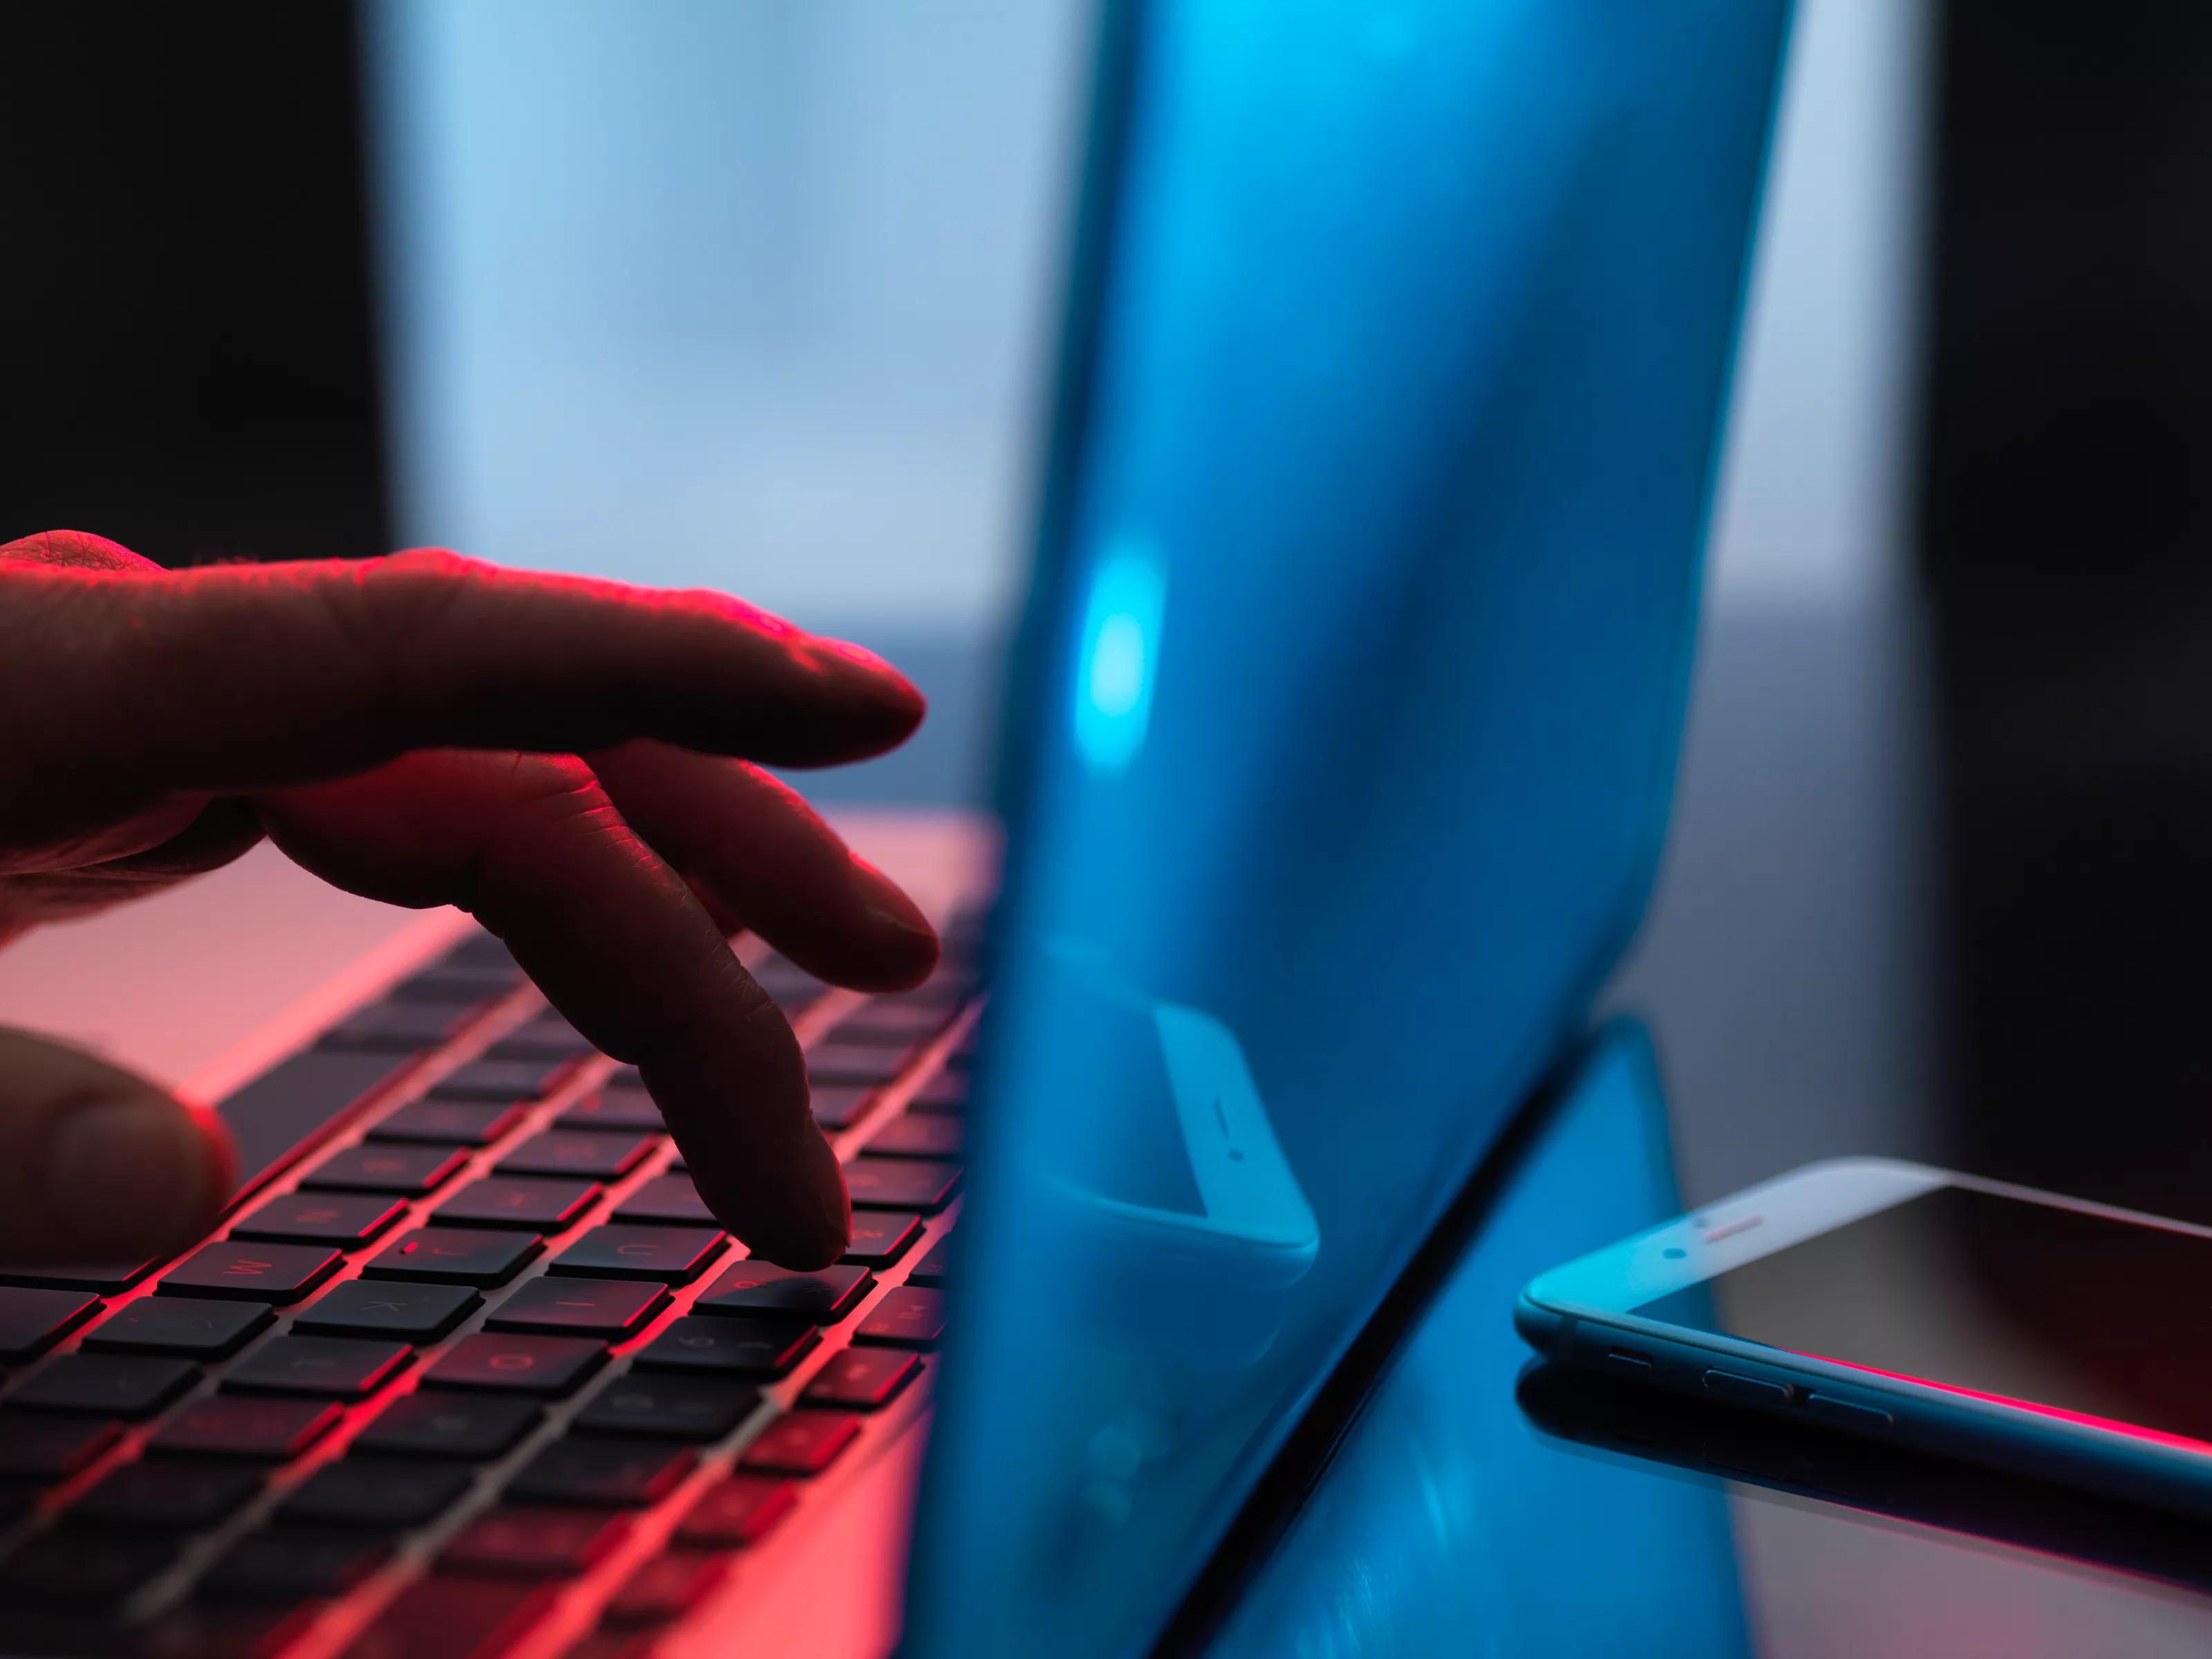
{"x": 482, "y": 1340}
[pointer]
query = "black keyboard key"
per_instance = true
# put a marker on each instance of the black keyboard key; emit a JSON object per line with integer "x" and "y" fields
{"x": 533, "y": 1543}
{"x": 935, "y": 1262}
{"x": 882, "y": 1237}
{"x": 130, "y": 1386}
{"x": 546, "y": 1037}
{"x": 330, "y": 1367}
{"x": 456, "y": 985}
{"x": 83, "y": 1569}
{"x": 283, "y": 1565}
{"x": 270, "y": 1117}
{"x": 582, "y": 1152}
{"x": 671, "y": 1255}
{"x": 834, "y": 1064}
{"x": 841, "y": 1106}
{"x": 737, "y": 1347}
{"x": 919, "y": 1135}
{"x": 502, "y": 1080}
{"x": 668, "y": 1406}
{"x": 630, "y": 1109}
{"x": 665, "y": 1588}
{"x": 108, "y": 1276}
{"x": 166, "y": 1494}
{"x": 610, "y": 1309}
{"x": 388, "y": 1166}
{"x": 40, "y": 1446}
{"x": 602, "y": 1474}
{"x": 453, "y": 1617}
{"x": 893, "y": 1024}
{"x": 669, "y": 1198}
{"x": 31, "y": 1322}
{"x": 902, "y": 1183}
{"x": 457, "y": 1255}
{"x": 348, "y": 1220}
{"x": 790, "y": 984}
{"x": 377, "y": 1494}
{"x": 761, "y": 1287}
{"x": 905, "y": 1318}
{"x": 255, "y": 1272}
{"x": 449, "y": 1122}
{"x": 396, "y": 1308}
{"x": 544, "y": 1365}
{"x": 475, "y": 1428}
{"x": 269, "y": 1429}
{"x": 187, "y": 1326}
{"x": 804, "y": 1443}
{"x": 528, "y": 1201}
{"x": 481, "y": 950}
{"x": 862, "y": 1379}
{"x": 946, "y": 1092}
{"x": 739, "y": 1511}
{"x": 406, "y": 1028}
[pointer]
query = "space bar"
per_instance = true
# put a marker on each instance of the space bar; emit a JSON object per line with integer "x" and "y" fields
{"x": 286, "y": 1108}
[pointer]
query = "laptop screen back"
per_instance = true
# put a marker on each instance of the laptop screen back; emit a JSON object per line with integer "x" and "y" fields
{"x": 1345, "y": 726}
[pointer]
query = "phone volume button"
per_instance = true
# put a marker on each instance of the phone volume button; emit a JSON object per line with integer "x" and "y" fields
{"x": 1747, "y": 1390}
{"x": 1844, "y": 1414}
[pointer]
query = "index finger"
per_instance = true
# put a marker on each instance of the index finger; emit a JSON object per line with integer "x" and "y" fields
{"x": 618, "y": 944}
{"x": 237, "y": 677}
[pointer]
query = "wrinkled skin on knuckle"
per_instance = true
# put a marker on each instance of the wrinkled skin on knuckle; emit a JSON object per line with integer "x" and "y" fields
{"x": 77, "y": 834}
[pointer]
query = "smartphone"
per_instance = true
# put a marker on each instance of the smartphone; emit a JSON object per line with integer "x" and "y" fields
{"x": 2014, "y": 1328}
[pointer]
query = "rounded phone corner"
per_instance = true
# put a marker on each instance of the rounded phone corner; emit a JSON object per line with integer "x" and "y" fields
{"x": 1542, "y": 1329}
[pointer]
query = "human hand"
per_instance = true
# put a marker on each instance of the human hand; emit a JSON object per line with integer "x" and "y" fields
{"x": 557, "y": 757}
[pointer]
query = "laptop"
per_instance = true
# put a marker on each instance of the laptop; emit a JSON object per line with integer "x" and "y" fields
{"x": 1341, "y": 734}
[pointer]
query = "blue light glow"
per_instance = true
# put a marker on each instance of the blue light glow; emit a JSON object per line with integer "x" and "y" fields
{"x": 1121, "y": 647}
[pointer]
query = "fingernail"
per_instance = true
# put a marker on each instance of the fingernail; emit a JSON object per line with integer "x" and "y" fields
{"x": 887, "y": 903}
{"x": 881, "y": 678}
{"x": 139, "y": 1172}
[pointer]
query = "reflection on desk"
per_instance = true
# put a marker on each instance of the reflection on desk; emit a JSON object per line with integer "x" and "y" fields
{"x": 1449, "y": 1522}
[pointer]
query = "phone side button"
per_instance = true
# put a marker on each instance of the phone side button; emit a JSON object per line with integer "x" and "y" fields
{"x": 1846, "y": 1415}
{"x": 1747, "y": 1390}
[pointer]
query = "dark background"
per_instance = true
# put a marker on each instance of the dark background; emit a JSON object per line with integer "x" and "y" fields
{"x": 2066, "y": 517}
{"x": 189, "y": 361}
{"x": 190, "y": 367}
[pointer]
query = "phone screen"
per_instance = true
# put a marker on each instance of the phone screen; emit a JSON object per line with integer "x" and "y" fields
{"x": 2074, "y": 1316}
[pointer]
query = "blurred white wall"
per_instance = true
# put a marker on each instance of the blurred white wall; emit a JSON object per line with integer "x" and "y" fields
{"x": 752, "y": 293}
{"x": 736, "y": 292}
{"x": 1814, "y": 492}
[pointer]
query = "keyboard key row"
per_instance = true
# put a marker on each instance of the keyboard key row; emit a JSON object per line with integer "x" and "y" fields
{"x": 189, "y": 1327}
{"x": 118, "y": 1385}
{"x": 925, "y": 1185}
{"x": 380, "y": 1166}
{"x": 348, "y": 1220}
{"x": 736, "y": 1346}
{"x": 450, "y": 1123}
{"x": 609, "y": 1309}
{"x": 918, "y": 1134}
{"x": 602, "y": 1474}
{"x": 457, "y": 1255}
{"x": 539, "y": 1204}
{"x": 533, "y": 1543}
{"x": 33, "y": 1321}
{"x": 329, "y": 1367}
{"x": 761, "y": 1287}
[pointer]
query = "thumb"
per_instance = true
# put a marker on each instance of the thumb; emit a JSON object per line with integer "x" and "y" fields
{"x": 98, "y": 1165}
